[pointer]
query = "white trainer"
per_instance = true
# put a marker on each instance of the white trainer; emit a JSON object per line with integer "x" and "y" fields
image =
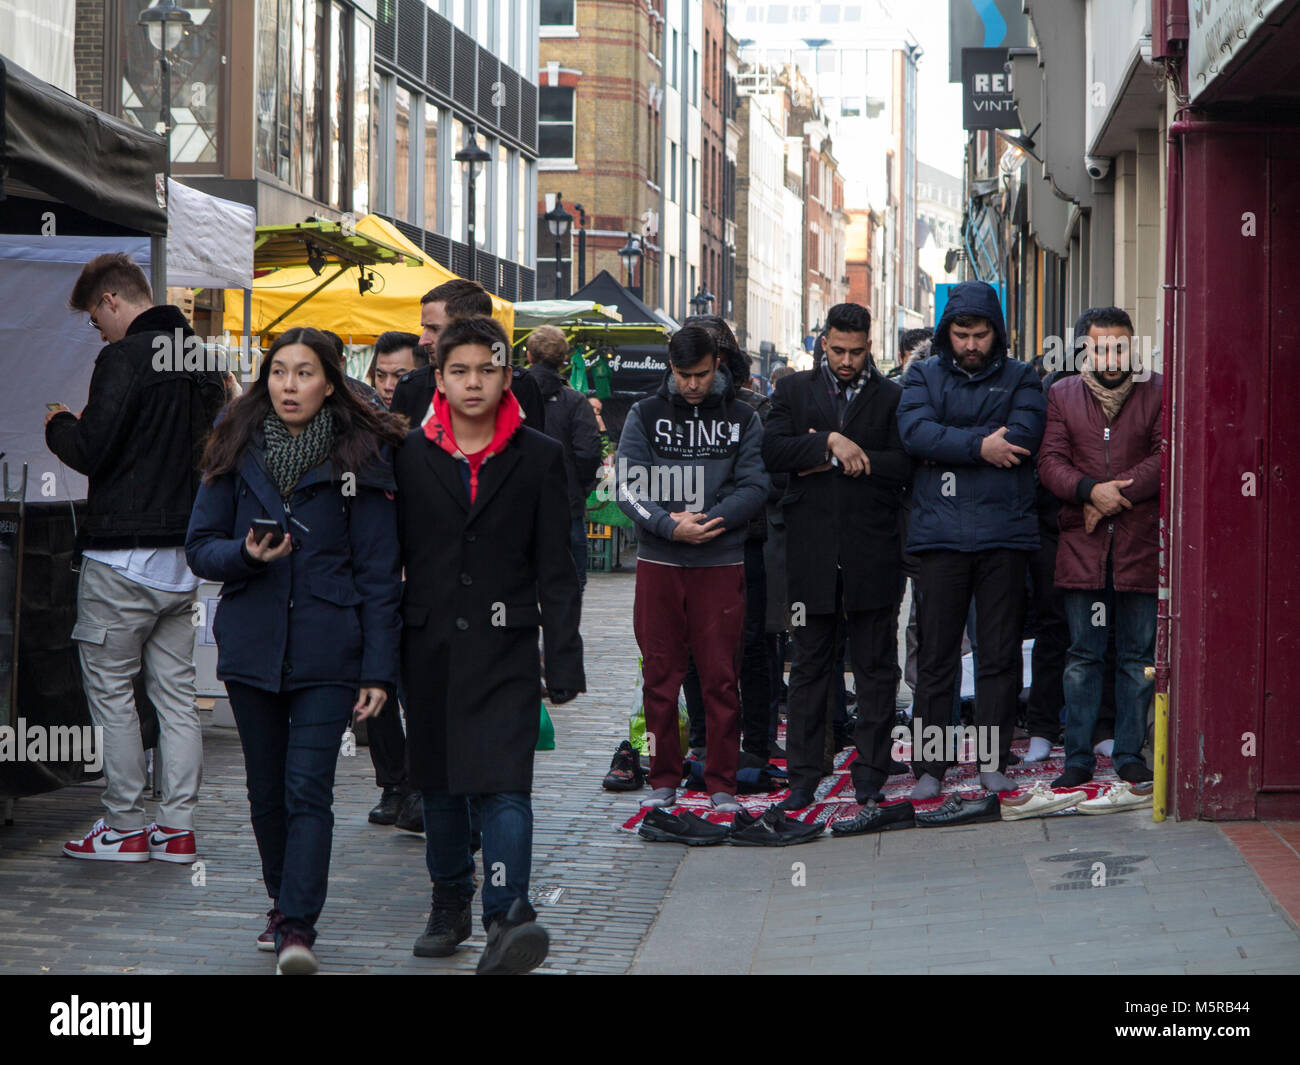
{"x": 1038, "y": 800}
{"x": 1120, "y": 797}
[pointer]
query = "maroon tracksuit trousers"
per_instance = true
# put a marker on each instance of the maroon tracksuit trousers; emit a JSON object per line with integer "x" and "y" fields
{"x": 682, "y": 611}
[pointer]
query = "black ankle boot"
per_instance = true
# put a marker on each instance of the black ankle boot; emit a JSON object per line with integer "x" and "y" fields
{"x": 449, "y": 924}
{"x": 516, "y": 943}
{"x": 390, "y": 805}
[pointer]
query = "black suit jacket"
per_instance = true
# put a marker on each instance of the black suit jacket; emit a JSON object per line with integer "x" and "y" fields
{"x": 480, "y": 579}
{"x": 415, "y": 391}
{"x": 836, "y": 525}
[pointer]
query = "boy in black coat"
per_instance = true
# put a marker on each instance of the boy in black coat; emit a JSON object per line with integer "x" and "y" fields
{"x": 834, "y": 430}
{"x": 483, "y": 521}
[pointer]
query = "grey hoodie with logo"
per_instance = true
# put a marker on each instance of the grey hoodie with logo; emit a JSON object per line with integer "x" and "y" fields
{"x": 675, "y": 456}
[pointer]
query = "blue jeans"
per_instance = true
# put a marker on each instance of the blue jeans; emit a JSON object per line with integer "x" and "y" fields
{"x": 507, "y": 825}
{"x": 578, "y": 542}
{"x": 1090, "y": 615}
{"x": 291, "y": 748}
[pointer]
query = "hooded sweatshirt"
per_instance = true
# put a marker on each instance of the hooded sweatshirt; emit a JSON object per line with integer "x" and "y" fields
{"x": 437, "y": 430}
{"x": 960, "y": 501}
{"x": 675, "y": 456}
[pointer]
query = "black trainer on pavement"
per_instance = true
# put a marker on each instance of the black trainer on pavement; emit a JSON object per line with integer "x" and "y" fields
{"x": 516, "y": 943}
{"x": 390, "y": 805}
{"x": 411, "y": 816}
{"x": 449, "y": 924}
{"x": 876, "y": 819}
{"x": 659, "y": 826}
{"x": 771, "y": 829}
{"x": 625, "y": 772}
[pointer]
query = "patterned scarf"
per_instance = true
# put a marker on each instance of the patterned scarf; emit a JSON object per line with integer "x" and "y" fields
{"x": 1111, "y": 399}
{"x": 289, "y": 457}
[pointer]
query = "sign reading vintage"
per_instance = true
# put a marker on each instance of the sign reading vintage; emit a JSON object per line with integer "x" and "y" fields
{"x": 986, "y": 100}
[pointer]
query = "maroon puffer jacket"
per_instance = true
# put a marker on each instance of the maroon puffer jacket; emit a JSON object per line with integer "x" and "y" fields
{"x": 1078, "y": 446}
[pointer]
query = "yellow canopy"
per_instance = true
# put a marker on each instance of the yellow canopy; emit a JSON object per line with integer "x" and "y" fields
{"x": 393, "y": 302}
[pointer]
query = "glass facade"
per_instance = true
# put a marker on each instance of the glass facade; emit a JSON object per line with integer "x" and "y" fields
{"x": 431, "y": 117}
{"x": 402, "y": 157}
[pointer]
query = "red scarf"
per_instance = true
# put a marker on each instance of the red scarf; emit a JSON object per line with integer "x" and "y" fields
{"x": 438, "y": 431}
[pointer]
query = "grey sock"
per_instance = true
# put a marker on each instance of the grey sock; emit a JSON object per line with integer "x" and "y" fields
{"x": 1106, "y": 748}
{"x": 1039, "y": 749}
{"x": 660, "y": 797}
{"x": 996, "y": 782}
{"x": 928, "y": 787}
{"x": 725, "y": 803}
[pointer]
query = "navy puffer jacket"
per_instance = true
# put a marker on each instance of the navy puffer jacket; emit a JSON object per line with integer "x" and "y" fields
{"x": 961, "y": 502}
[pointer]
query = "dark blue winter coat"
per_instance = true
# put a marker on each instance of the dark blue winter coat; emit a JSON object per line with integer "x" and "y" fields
{"x": 961, "y": 502}
{"x": 327, "y": 613}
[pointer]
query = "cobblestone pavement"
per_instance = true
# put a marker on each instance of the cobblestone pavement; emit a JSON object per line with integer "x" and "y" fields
{"x": 1017, "y": 897}
{"x": 598, "y": 890}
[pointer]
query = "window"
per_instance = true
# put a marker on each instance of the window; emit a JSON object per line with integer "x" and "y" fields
{"x": 672, "y": 173}
{"x": 502, "y": 220}
{"x": 672, "y": 286}
{"x": 361, "y": 117}
{"x": 705, "y": 193}
{"x": 431, "y": 117}
{"x": 695, "y": 76}
{"x": 338, "y": 56}
{"x": 555, "y": 118}
{"x": 456, "y": 186}
{"x": 401, "y": 202}
{"x": 523, "y": 200}
{"x": 558, "y": 12}
{"x": 676, "y": 49}
{"x": 695, "y": 169}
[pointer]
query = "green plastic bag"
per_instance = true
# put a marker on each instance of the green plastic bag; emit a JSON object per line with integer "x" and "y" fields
{"x": 546, "y": 732}
{"x": 636, "y": 723}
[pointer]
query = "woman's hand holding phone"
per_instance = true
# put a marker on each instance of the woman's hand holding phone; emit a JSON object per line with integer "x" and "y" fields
{"x": 261, "y": 549}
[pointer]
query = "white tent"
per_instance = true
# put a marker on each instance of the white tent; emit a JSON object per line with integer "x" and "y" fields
{"x": 48, "y": 352}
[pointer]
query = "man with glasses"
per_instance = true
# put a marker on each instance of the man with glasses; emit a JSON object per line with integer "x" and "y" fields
{"x": 138, "y": 441}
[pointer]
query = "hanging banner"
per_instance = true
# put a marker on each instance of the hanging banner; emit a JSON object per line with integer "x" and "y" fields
{"x": 986, "y": 100}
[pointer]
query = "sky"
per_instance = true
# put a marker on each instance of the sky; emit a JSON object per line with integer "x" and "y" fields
{"x": 940, "y": 138}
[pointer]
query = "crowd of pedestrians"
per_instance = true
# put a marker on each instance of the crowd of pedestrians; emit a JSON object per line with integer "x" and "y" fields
{"x": 409, "y": 552}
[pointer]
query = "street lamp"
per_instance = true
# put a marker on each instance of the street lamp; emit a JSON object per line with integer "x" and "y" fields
{"x": 558, "y": 221}
{"x": 630, "y": 254}
{"x": 166, "y": 24}
{"x": 702, "y": 301}
{"x": 476, "y": 158}
{"x": 582, "y": 245}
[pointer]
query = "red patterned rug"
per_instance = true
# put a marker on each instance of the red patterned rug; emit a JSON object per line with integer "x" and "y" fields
{"x": 834, "y": 799}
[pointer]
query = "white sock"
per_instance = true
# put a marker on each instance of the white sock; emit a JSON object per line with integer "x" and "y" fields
{"x": 1039, "y": 749}
{"x": 1104, "y": 749}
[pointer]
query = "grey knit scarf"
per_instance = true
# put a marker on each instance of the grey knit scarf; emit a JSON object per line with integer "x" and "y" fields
{"x": 288, "y": 457}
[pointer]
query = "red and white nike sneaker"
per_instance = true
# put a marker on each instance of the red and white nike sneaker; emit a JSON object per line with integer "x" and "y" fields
{"x": 105, "y": 844}
{"x": 171, "y": 844}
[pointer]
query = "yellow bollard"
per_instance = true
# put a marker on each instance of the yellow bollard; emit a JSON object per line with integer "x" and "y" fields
{"x": 1160, "y": 796}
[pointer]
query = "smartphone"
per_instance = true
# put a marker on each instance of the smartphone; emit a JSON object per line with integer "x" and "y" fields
{"x": 53, "y": 406}
{"x": 264, "y": 528}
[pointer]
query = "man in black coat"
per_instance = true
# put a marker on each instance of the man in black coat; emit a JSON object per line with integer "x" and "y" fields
{"x": 833, "y": 429}
{"x": 570, "y": 421}
{"x": 138, "y": 441}
{"x": 439, "y": 307}
{"x": 484, "y": 525}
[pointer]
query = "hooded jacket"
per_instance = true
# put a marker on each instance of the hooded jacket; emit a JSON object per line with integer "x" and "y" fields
{"x": 960, "y": 501}
{"x": 140, "y": 438}
{"x": 675, "y": 456}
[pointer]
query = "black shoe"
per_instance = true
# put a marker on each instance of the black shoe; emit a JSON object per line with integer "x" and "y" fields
{"x": 411, "y": 817}
{"x": 449, "y": 924}
{"x": 959, "y": 811}
{"x": 625, "y": 772}
{"x": 771, "y": 829}
{"x": 1136, "y": 773}
{"x": 898, "y": 769}
{"x": 516, "y": 943}
{"x": 390, "y": 804}
{"x": 659, "y": 826}
{"x": 877, "y": 819}
{"x": 798, "y": 799}
{"x": 1072, "y": 778}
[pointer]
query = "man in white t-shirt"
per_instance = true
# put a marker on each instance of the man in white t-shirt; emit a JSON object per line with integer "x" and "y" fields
{"x": 138, "y": 440}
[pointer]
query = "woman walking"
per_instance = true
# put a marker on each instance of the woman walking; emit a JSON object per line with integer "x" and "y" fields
{"x": 296, "y": 515}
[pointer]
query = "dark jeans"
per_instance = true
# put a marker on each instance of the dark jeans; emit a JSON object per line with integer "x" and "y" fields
{"x": 944, "y": 587}
{"x": 291, "y": 747}
{"x": 578, "y": 540}
{"x": 1091, "y": 615}
{"x": 873, "y": 654}
{"x": 507, "y": 825}
{"x": 388, "y": 744}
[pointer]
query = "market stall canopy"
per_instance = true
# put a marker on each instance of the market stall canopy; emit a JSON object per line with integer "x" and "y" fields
{"x": 605, "y": 289}
{"x": 292, "y": 245}
{"x": 54, "y": 146}
{"x": 209, "y": 240}
{"x": 295, "y": 295}
{"x": 557, "y": 312}
{"x": 639, "y": 345}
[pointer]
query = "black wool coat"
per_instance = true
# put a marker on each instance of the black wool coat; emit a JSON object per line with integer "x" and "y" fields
{"x": 835, "y": 524}
{"x": 480, "y": 579}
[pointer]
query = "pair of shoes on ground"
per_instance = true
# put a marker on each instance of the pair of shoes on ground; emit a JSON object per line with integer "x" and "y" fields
{"x": 772, "y": 828}
{"x": 516, "y": 943}
{"x": 157, "y": 842}
{"x": 401, "y": 809}
{"x": 876, "y": 818}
